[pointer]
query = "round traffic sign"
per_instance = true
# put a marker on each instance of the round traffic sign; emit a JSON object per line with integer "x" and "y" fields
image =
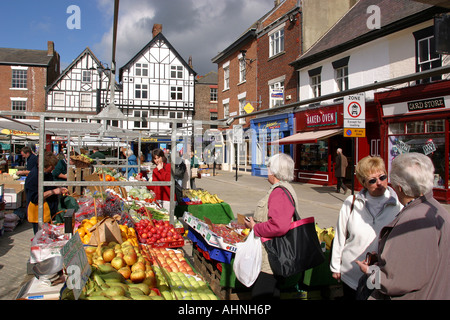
{"x": 354, "y": 109}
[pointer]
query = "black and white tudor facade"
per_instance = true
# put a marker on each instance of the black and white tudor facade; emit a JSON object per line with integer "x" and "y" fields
{"x": 155, "y": 83}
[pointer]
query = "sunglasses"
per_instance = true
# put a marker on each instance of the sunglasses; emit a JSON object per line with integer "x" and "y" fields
{"x": 374, "y": 180}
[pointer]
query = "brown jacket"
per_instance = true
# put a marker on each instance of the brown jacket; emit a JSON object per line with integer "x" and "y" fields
{"x": 341, "y": 165}
{"x": 414, "y": 255}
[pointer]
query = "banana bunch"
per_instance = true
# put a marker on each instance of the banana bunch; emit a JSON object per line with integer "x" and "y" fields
{"x": 202, "y": 195}
{"x": 325, "y": 235}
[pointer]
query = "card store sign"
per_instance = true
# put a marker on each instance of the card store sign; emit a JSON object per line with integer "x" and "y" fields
{"x": 422, "y": 105}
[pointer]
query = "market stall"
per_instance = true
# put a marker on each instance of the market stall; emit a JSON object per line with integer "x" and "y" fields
{"x": 116, "y": 217}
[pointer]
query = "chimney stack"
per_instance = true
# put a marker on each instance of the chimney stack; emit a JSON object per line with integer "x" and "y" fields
{"x": 157, "y": 28}
{"x": 50, "y": 48}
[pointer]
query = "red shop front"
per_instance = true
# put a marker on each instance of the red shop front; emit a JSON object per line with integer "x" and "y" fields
{"x": 319, "y": 133}
{"x": 416, "y": 119}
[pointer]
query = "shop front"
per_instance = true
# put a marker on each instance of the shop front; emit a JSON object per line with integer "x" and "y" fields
{"x": 416, "y": 119}
{"x": 264, "y": 131}
{"x": 319, "y": 134}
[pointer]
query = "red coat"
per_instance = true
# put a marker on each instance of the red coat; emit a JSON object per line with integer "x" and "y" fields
{"x": 161, "y": 192}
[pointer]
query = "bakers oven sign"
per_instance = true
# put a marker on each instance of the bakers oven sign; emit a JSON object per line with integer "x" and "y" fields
{"x": 426, "y": 104}
{"x": 321, "y": 119}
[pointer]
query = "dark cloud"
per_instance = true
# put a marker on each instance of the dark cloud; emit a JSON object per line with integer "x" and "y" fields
{"x": 197, "y": 28}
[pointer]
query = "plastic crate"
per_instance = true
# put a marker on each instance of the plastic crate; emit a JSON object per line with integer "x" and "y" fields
{"x": 213, "y": 253}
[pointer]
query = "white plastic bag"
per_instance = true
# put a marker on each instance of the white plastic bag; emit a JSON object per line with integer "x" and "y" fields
{"x": 247, "y": 261}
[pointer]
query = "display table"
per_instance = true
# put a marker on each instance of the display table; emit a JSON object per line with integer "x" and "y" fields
{"x": 219, "y": 213}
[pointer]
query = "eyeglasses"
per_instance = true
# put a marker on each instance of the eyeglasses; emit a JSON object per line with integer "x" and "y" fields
{"x": 374, "y": 180}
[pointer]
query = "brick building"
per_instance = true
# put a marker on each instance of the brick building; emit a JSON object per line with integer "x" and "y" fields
{"x": 24, "y": 74}
{"x": 206, "y": 98}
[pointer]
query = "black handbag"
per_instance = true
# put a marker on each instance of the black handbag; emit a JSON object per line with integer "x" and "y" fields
{"x": 298, "y": 250}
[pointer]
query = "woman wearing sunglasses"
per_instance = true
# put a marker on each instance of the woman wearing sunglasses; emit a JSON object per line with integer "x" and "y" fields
{"x": 360, "y": 221}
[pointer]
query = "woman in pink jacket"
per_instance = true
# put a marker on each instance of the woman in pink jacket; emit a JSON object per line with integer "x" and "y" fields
{"x": 272, "y": 218}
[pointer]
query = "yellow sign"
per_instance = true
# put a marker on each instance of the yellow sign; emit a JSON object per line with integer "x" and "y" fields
{"x": 19, "y": 133}
{"x": 354, "y": 133}
{"x": 249, "y": 108}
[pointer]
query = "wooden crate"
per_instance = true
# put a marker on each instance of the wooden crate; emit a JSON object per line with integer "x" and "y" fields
{"x": 207, "y": 268}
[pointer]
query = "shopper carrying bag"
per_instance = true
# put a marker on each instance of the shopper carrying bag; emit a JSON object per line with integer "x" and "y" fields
{"x": 247, "y": 261}
{"x": 298, "y": 250}
{"x": 273, "y": 217}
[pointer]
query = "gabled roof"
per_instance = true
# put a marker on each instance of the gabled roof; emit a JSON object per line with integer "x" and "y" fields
{"x": 352, "y": 30}
{"x": 209, "y": 78}
{"x": 24, "y": 57}
{"x": 158, "y": 37}
{"x": 86, "y": 51}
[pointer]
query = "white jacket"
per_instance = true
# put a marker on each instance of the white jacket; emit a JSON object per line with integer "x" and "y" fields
{"x": 363, "y": 230}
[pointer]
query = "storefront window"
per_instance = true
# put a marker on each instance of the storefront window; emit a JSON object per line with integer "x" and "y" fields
{"x": 314, "y": 156}
{"x": 430, "y": 144}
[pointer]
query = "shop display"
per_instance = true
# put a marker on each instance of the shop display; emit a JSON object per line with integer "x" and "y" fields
{"x": 198, "y": 196}
{"x": 158, "y": 233}
{"x": 325, "y": 236}
{"x": 142, "y": 262}
{"x": 217, "y": 235}
{"x": 82, "y": 161}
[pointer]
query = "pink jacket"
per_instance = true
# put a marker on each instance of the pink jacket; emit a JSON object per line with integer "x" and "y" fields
{"x": 281, "y": 212}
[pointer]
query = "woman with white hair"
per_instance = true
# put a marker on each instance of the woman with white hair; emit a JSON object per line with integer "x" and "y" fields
{"x": 413, "y": 252}
{"x": 132, "y": 163}
{"x": 272, "y": 218}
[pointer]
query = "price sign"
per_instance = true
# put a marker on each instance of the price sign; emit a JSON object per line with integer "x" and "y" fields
{"x": 76, "y": 264}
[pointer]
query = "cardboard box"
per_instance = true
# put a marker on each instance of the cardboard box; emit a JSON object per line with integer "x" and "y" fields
{"x": 12, "y": 198}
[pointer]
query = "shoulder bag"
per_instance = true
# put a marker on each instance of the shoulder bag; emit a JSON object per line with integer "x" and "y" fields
{"x": 298, "y": 250}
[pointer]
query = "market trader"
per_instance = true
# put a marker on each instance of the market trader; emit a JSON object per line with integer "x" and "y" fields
{"x": 50, "y": 192}
{"x": 97, "y": 154}
{"x": 32, "y": 159}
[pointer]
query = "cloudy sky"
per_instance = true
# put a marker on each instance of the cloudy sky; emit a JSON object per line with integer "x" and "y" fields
{"x": 197, "y": 28}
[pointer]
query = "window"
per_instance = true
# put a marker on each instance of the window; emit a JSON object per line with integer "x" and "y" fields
{"x": 58, "y": 99}
{"x": 176, "y": 72}
{"x": 176, "y": 93}
{"x": 242, "y": 69}
{"x": 316, "y": 86}
{"x": 341, "y": 73}
{"x": 342, "y": 78}
{"x": 141, "y": 114}
{"x": 427, "y": 137}
{"x": 141, "y": 91}
{"x": 276, "y": 42}
{"x": 213, "y": 116}
{"x": 85, "y": 101}
{"x": 19, "y": 78}
{"x": 276, "y": 94}
{"x": 426, "y": 56}
{"x": 315, "y": 81}
{"x": 141, "y": 69}
{"x": 86, "y": 76}
{"x": 18, "y": 105}
{"x": 226, "y": 77}
{"x": 226, "y": 110}
{"x": 241, "y": 110}
{"x": 213, "y": 95}
{"x": 176, "y": 115}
